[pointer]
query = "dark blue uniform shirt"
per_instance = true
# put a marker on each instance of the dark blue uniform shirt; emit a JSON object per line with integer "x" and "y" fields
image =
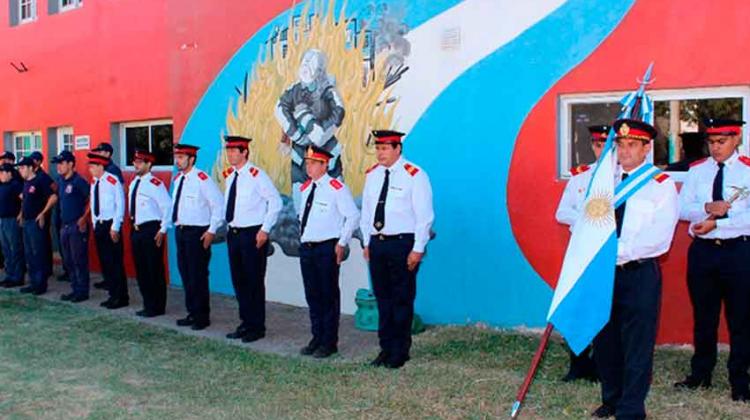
{"x": 10, "y": 203}
{"x": 35, "y": 195}
{"x": 74, "y": 196}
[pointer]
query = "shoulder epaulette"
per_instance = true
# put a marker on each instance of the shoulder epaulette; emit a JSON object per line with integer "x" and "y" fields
{"x": 745, "y": 160}
{"x": 661, "y": 177}
{"x": 371, "y": 168}
{"x": 336, "y": 184}
{"x": 155, "y": 181}
{"x": 411, "y": 169}
{"x": 202, "y": 176}
{"x": 579, "y": 169}
{"x": 698, "y": 162}
{"x": 253, "y": 171}
{"x": 112, "y": 180}
{"x": 227, "y": 172}
{"x": 304, "y": 186}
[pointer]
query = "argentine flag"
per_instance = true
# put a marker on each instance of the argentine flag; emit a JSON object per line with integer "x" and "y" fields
{"x": 582, "y": 301}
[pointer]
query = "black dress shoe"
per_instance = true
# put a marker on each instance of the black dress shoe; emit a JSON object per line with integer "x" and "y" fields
{"x": 100, "y": 285}
{"x": 309, "y": 349}
{"x": 106, "y": 303}
{"x": 200, "y": 325}
{"x": 693, "y": 382}
{"x": 237, "y": 334}
{"x": 323, "y": 352}
{"x": 741, "y": 395}
{"x": 117, "y": 304}
{"x": 11, "y": 284}
{"x": 253, "y": 336}
{"x": 38, "y": 292}
{"x": 143, "y": 313}
{"x": 79, "y": 298}
{"x": 604, "y": 411}
{"x": 67, "y": 297}
{"x": 63, "y": 277}
{"x": 396, "y": 362}
{"x": 185, "y": 322}
{"x": 380, "y": 360}
{"x": 27, "y": 289}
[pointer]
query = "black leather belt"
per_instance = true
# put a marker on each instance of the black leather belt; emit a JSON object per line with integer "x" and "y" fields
{"x": 635, "y": 264}
{"x": 101, "y": 222}
{"x": 146, "y": 224}
{"x": 724, "y": 242}
{"x": 191, "y": 227}
{"x": 236, "y": 230}
{"x": 316, "y": 244}
{"x": 400, "y": 236}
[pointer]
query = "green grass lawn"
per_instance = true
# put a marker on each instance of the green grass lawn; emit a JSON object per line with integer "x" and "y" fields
{"x": 60, "y": 361}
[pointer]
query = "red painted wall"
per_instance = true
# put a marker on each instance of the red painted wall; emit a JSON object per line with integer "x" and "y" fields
{"x": 692, "y": 46}
{"x": 119, "y": 61}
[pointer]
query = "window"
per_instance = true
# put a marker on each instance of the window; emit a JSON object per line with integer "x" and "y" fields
{"x": 66, "y": 5}
{"x": 154, "y": 136}
{"x": 24, "y": 143}
{"x": 27, "y": 10}
{"x": 676, "y": 112}
{"x": 65, "y": 139}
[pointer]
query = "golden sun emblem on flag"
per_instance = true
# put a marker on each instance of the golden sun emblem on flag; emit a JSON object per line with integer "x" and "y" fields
{"x": 598, "y": 209}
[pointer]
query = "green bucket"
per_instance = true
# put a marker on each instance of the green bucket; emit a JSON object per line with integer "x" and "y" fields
{"x": 366, "y": 317}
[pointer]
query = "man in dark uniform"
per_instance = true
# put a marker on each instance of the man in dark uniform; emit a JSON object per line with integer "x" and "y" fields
{"x": 197, "y": 212}
{"x": 38, "y": 159}
{"x": 38, "y": 200}
{"x": 645, "y": 224}
{"x": 394, "y": 238}
{"x": 252, "y": 206}
{"x": 150, "y": 206}
{"x": 327, "y": 221}
{"x": 11, "y": 240}
{"x": 107, "y": 213}
{"x": 105, "y": 150}
{"x": 714, "y": 202}
{"x": 9, "y": 158}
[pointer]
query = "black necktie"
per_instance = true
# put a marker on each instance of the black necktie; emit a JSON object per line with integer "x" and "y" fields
{"x": 96, "y": 198}
{"x": 620, "y": 211}
{"x": 132, "y": 199}
{"x": 380, "y": 208}
{"x": 717, "y": 193}
{"x": 308, "y": 206}
{"x": 231, "y": 201}
{"x": 175, "y": 209}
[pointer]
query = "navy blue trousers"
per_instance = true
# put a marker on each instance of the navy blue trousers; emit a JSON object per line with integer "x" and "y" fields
{"x": 74, "y": 247}
{"x": 192, "y": 262}
{"x": 111, "y": 260}
{"x": 36, "y": 245}
{"x": 247, "y": 264}
{"x": 11, "y": 241}
{"x": 624, "y": 349}
{"x": 149, "y": 266}
{"x": 320, "y": 275}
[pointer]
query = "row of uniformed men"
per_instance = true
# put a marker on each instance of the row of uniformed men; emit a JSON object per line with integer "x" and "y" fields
{"x": 714, "y": 200}
{"x": 396, "y": 219}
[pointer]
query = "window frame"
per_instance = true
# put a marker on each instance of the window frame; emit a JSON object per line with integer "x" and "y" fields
{"x": 74, "y": 5}
{"x": 32, "y": 8}
{"x": 61, "y": 133}
{"x": 566, "y": 101}
{"x": 124, "y": 142}
{"x": 32, "y": 133}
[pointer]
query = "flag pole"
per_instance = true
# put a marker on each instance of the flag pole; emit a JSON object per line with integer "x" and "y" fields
{"x": 524, "y": 389}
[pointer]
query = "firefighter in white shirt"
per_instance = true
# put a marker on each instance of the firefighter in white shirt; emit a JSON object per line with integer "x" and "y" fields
{"x": 645, "y": 224}
{"x": 252, "y": 206}
{"x": 714, "y": 200}
{"x": 328, "y": 218}
{"x": 149, "y": 206}
{"x": 396, "y": 219}
{"x": 197, "y": 212}
{"x": 107, "y": 212}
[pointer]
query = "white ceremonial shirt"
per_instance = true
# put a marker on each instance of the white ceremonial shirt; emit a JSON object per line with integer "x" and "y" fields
{"x": 333, "y": 213}
{"x": 257, "y": 201}
{"x": 408, "y": 207}
{"x": 111, "y": 200}
{"x": 651, "y": 215}
{"x": 574, "y": 195}
{"x": 152, "y": 202}
{"x": 698, "y": 190}
{"x": 201, "y": 203}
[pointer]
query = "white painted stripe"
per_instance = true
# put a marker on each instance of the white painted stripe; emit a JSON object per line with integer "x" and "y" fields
{"x": 483, "y": 27}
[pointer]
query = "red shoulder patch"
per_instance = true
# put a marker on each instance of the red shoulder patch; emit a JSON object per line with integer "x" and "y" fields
{"x": 579, "y": 169}
{"x": 336, "y": 184}
{"x": 304, "y": 186}
{"x": 745, "y": 160}
{"x": 228, "y": 171}
{"x": 112, "y": 180}
{"x": 371, "y": 168}
{"x": 253, "y": 171}
{"x": 661, "y": 177}
{"x": 155, "y": 181}
{"x": 699, "y": 161}
{"x": 202, "y": 176}
{"x": 411, "y": 169}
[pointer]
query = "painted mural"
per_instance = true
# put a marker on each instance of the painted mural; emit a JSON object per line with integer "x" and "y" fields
{"x": 457, "y": 76}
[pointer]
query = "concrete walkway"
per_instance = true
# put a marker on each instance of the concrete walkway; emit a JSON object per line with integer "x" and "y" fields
{"x": 288, "y": 327}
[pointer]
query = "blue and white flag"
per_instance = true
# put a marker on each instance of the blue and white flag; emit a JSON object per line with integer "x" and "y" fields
{"x": 582, "y": 301}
